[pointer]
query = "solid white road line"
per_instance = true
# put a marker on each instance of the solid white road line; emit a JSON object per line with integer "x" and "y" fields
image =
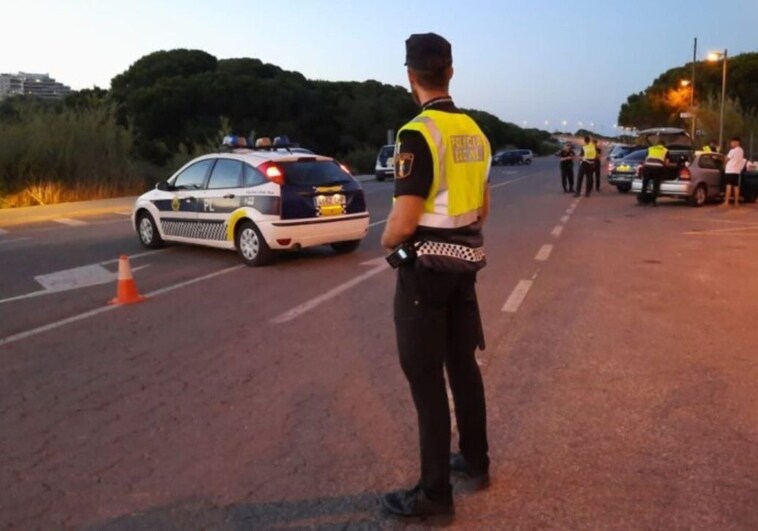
{"x": 138, "y": 255}
{"x": 53, "y": 326}
{"x": 123, "y": 213}
{"x": 66, "y": 276}
{"x": 97, "y": 311}
{"x": 557, "y": 231}
{"x": 544, "y": 253}
{"x": 307, "y": 306}
{"x": 517, "y": 296}
{"x": 14, "y": 240}
{"x": 509, "y": 182}
{"x": 375, "y": 223}
{"x": 70, "y": 222}
{"x": 564, "y": 219}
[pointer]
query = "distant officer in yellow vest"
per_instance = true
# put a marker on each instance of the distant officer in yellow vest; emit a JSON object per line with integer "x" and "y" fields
{"x": 434, "y": 236}
{"x": 652, "y": 170}
{"x": 586, "y": 166}
{"x": 711, "y": 147}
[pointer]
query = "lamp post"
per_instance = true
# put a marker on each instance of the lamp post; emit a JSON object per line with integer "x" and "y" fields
{"x": 721, "y": 56}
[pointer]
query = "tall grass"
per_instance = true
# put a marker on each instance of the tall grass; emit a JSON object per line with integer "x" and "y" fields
{"x": 50, "y": 154}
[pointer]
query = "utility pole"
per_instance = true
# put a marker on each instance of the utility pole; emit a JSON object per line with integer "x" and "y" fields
{"x": 692, "y": 91}
{"x": 723, "y": 100}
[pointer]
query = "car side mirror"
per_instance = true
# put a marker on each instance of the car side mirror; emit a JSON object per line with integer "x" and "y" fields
{"x": 163, "y": 186}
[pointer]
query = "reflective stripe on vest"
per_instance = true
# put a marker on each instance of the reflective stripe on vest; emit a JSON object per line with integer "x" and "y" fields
{"x": 656, "y": 154}
{"x": 461, "y": 162}
{"x": 589, "y": 152}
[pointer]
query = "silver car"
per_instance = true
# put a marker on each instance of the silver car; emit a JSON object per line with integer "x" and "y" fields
{"x": 697, "y": 181}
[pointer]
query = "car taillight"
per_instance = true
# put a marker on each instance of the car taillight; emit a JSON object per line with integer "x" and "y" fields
{"x": 685, "y": 174}
{"x": 272, "y": 172}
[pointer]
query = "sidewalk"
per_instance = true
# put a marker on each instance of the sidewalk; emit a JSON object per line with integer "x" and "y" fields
{"x": 20, "y": 216}
{"x": 10, "y": 217}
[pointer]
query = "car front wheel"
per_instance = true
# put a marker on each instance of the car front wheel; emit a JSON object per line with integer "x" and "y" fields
{"x": 147, "y": 231}
{"x": 251, "y": 246}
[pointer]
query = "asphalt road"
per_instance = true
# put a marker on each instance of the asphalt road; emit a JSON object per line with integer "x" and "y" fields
{"x": 620, "y": 373}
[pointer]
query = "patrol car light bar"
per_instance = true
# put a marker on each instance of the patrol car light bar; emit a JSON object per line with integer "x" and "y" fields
{"x": 232, "y": 142}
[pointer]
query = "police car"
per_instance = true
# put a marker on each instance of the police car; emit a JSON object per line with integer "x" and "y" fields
{"x": 256, "y": 200}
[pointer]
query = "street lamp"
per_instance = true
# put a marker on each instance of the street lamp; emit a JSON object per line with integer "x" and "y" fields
{"x": 713, "y": 57}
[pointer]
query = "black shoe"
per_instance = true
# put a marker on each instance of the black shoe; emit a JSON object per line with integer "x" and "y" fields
{"x": 415, "y": 503}
{"x": 587, "y": 194}
{"x": 473, "y": 479}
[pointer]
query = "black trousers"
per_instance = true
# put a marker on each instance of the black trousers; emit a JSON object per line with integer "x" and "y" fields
{"x": 651, "y": 173}
{"x": 567, "y": 177}
{"x": 586, "y": 169}
{"x": 597, "y": 175}
{"x": 437, "y": 326}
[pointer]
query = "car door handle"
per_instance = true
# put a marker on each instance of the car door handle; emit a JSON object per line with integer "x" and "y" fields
{"x": 229, "y": 196}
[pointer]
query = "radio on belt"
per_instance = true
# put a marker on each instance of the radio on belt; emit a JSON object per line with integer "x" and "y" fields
{"x": 403, "y": 254}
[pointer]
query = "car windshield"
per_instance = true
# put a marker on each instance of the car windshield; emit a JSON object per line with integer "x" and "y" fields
{"x": 314, "y": 173}
{"x": 620, "y": 151}
{"x": 387, "y": 151}
{"x": 638, "y": 155}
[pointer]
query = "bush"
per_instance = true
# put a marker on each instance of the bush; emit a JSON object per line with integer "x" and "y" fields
{"x": 53, "y": 153}
{"x": 360, "y": 161}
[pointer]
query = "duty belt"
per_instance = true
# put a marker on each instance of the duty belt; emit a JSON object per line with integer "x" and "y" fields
{"x": 451, "y": 250}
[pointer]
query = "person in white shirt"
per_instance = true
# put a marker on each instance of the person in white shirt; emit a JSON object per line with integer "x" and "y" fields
{"x": 735, "y": 163}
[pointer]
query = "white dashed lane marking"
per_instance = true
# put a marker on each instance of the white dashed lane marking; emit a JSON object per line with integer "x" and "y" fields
{"x": 557, "y": 231}
{"x": 517, "y": 296}
{"x": 544, "y": 253}
{"x": 564, "y": 219}
{"x": 70, "y": 222}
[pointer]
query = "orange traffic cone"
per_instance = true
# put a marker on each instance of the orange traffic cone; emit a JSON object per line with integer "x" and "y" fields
{"x": 126, "y": 293}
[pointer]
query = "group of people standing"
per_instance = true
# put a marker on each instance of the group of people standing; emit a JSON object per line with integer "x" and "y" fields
{"x": 589, "y": 167}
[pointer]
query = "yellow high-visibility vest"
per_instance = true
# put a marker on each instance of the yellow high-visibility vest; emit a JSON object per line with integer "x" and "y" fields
{"x": 590, "y": 152}
{"x": 461, "y": 159}
{"x": 657, "y": 152}
{"x": 707, "y": 149}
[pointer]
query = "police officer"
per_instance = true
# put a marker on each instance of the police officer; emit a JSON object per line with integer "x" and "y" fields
{"x": 441, "y": 201}
{"x": 586, "y": 167}
{"x": 567, "y": 167}
{"x": 652, "y": 170}
{"x": 597, "y": 165}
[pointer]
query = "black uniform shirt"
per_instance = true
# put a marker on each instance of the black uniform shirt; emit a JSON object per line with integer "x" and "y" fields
{"x": 566, "y": 152}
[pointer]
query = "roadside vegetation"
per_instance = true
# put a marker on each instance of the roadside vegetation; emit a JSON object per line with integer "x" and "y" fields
{"x": 170, "y": 106}
{"x": 662, "y": 103}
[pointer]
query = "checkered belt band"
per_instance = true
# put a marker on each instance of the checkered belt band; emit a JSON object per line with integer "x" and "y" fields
{"x": 451, "y": 250}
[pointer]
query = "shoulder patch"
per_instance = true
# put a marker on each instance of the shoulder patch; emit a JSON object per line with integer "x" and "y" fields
{"x": 403, "y": 165}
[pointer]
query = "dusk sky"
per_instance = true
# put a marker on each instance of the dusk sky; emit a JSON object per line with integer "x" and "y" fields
{"x": 532, "y": 61}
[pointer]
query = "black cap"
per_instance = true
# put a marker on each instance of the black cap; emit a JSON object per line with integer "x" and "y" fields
{"x": 427, "y": 51}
